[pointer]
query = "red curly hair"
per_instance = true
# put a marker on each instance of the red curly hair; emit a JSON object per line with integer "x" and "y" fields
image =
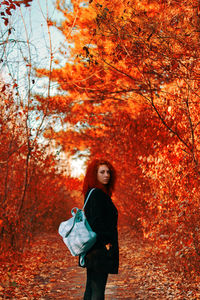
{"x": 91, "y": 181}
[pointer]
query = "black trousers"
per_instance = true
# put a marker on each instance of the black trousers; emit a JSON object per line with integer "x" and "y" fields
{"x": 95, "y": 285}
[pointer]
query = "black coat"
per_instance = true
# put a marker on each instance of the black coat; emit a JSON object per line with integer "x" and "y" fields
{"x": 102, "y": 216}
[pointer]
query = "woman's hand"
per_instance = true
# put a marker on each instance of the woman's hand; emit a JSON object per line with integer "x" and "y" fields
{"x": 108, "y": 246}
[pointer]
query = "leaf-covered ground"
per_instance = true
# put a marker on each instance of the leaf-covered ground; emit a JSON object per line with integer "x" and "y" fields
{"x": 48, "y": 271}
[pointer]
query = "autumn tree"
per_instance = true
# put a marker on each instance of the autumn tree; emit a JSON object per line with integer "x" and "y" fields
{"x": 28, "y": 163}
{"x": 137, "y": 63}
{"x": 141, "y": 57}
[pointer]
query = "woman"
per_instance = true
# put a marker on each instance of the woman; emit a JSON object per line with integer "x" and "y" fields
{"x": 101, "y": 213}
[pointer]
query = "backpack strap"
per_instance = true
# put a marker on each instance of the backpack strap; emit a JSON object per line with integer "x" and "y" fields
{"x": 88, "y": 196}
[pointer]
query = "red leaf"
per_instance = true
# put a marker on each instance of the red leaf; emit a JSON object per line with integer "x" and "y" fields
{"x": 5, "y": 3}
{"x": 12, "y": 6}
{"x": 8, "y": 11}
{"x": 5, "y": 21}
{"x": 3, "y": 88}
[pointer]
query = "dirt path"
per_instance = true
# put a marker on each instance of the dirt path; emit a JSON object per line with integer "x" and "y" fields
{"x": 49, "y": 272}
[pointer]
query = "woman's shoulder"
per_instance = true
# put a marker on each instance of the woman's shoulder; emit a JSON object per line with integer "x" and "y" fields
{"x": 98, "y": 191}
{"x": 99, "y": 195}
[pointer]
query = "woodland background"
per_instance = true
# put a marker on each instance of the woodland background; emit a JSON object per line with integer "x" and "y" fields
{"x": 123, "y": 85}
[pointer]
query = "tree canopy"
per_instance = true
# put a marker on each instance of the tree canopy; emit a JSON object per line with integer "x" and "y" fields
{"x": 127, "y": 89}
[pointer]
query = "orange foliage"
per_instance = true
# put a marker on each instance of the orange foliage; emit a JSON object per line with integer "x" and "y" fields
{"x": 38, "y": 202}
{"x": 132, "y": 96}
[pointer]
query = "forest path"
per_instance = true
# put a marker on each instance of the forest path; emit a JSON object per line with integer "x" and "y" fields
{"x": 49, "y": 272}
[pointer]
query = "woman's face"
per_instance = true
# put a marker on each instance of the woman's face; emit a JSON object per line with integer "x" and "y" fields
{"x": 103, "y": 174}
